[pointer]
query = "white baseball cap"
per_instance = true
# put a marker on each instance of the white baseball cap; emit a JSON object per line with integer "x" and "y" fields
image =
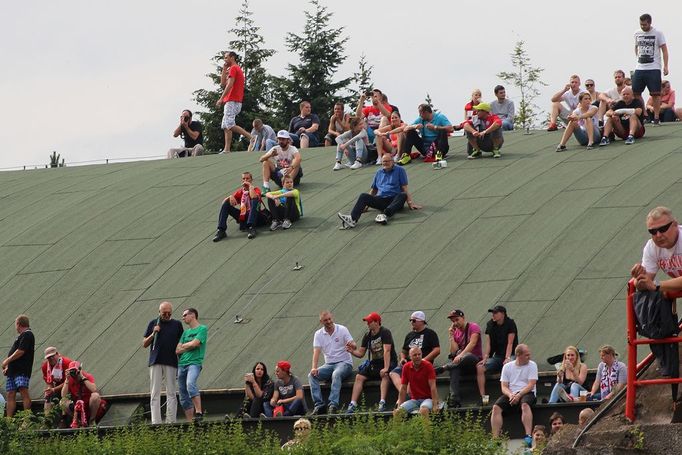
{"x": 418, "y": 315}
{"x": 284, "y": 134}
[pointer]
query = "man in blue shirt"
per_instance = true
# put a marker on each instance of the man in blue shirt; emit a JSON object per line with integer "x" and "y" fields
{"x": 432, "y": 144}
{"x": 388, "y": 194}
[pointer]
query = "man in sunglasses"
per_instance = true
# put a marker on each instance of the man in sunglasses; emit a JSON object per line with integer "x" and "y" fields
{"x": 421, "y": 337}
{"x": 662, "y": 252}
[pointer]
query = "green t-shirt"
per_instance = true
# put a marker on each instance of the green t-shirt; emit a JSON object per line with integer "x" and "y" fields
{"x": 195, "y": 356}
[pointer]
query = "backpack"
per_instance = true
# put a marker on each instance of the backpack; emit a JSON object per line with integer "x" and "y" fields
{"x": 655, "y": 318}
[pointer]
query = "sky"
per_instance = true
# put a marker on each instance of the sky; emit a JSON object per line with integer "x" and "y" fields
{"x": 108, "y": 80}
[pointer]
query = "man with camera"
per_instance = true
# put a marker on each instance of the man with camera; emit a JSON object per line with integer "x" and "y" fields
{"x": 374, "y": 113}
{"x": 54, "y": 373}
{"x": 242, "y": 205}
{"x": 191, "y": 131}
{"x": 80, "y": 385}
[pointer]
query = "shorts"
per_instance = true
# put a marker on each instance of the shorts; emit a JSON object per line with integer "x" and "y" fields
{"x": 625, "y": 132}
{"x": 230, "y": 111}
{"x": 374, "y": 370}
{"x": 313, "y": 141}
{"x": 486, "y": 144}
{"x": 276, "y": 176}
{"x": 14, "y": 383}
{"x": 650, "y": 79}
{"x": 503, "y": 402}
{"x": 413, "y": 405}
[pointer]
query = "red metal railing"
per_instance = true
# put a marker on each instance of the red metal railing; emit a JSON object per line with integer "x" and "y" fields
{"x": 633, "y": 342}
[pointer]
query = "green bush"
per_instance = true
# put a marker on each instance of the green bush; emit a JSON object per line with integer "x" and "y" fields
{"x": 363, "y": 435}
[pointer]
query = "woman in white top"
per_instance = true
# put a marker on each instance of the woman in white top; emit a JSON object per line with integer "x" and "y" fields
{"x": 583, "y": 124}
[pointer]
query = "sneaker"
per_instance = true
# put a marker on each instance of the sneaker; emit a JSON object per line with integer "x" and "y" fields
{"x": 429, "y": 158}
{"x": 219, "y": 235}
{"x": 286, "y": 224}
{"x": 475, "y": 154}
{"x": 404, "y": 159}
{"x": 590, "y": 146}
{"x": 252, "y": 233}
{"x": 439, "y": 156}
{"x": 565, "y": 396}
{"x": 496, "y": 153}
{"x": 351, "y": 409}
{"x": 331, "y": 409}
{"x": 656, "y": 122}
{"x": 414, "y": 155}
{"x": 356, "y": 165}
{"x": 338, "y": 166}
{"x": 381, "y": 219}
{"x": 604, "y": 142}
{"x": 264, "y": 189}
{"x": 317, "y": 410}
{"x": 560, "y": 148}
{"x": 630, "y": 140}
{"x": 552, "y": 127}
{"x": 275, "y": 225}
{"x": 378, "y": 162}
{"x": 198, "y": 417}
{"x": 262, "y": 416}
{"x": 528, "y": 440}
{"x": 346, "y": 221}
{"x": 382, "y": 406}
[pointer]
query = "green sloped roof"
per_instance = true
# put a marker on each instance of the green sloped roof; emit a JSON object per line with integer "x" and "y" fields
{"x": 89, "y": 252}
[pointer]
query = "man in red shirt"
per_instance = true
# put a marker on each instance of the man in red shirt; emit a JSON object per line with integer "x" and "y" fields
{"x": 484, "y": 133}
{"x": 80, "y": 385}
{"x": 420, "y": 376}
{"x": 232, "y": 79}
{"x": 54, "y": 373}
{"x": 242, "y": 205}
{"x": 376, "y": 115}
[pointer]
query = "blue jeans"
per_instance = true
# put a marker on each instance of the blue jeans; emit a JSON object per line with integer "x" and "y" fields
{"x": 573, "y": 389}
{"x": 296, "y": 407}
{"x": 187, "y": 384}
{"x": 507, "y": 125}
{"x": 337, "y": 372}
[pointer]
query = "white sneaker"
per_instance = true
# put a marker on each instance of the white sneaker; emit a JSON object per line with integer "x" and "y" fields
{"x": 338, "y": 166}
{"x": 346, "y": 221}
{"x": 275, "y": 225}
{"x": 381, "y": 219}
{"x": 378, "y": 163}
{"x": 286, "y": 224}
{"x": 356, "y": 165}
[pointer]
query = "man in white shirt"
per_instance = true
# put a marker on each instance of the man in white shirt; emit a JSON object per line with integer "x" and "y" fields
{"x": 649, "y": 44}
{"x": 569, "y": 96}
{"x": 332, "y": 340}
{"x": 608, "y": 99}
{"x": 518, "y": 381}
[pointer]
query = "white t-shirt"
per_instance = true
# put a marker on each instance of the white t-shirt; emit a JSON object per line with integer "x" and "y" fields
{"x": 283, "y": 158}
{"x": 649, "y": 49}
{"x": 668, "y": 260}
{"x": 334, "y": 346}
{"x": 571, "y": 99}
{"x": 595, "y": 120}
{"x": 613, "y": 94}
{"x": 518, "y": 377}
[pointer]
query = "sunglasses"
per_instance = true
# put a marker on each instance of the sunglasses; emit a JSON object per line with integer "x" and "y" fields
{"x": 414, "y": 320}
{"x": 661, "y": 229}
{"x": 589, "y": 85}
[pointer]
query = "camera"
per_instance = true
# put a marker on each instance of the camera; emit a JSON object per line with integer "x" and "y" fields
{"x": 74, "y": 372}
{"x": 185, "y": 118}
{"x": 368, "y": 93}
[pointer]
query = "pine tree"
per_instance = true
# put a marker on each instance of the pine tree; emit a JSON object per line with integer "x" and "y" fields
{"x": 248, "y": 45}
{"x": 362, "y": 79}
{"x": 321, "y": 52}
{"x": 526, "y": 78}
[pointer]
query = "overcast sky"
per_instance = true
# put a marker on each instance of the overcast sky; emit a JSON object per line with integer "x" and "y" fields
{"x": 95, "y": 80}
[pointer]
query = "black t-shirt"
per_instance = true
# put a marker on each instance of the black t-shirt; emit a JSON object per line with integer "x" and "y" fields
{"x": 303, "y": 122}
{"x": 498, "y": 336}
{"x": 427, "y": 339}
{"x": 166, "y": 342}
{"x": 194, "y": 126}
{"x": 266, "y": 388}
{"x": 634, "y": 104}
{"x": 24, "y": 364}
{"x": 375, "y": 346}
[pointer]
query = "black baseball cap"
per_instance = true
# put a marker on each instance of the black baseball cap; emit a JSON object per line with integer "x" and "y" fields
{"x": 456, "y": 314}
{"x": 498, "y": 309}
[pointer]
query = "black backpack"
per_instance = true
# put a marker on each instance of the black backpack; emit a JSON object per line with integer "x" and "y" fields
{"x": 655, "y": 318}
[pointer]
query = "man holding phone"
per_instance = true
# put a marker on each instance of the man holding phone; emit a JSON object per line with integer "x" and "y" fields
{"x": 191, "y": 131}
{"x": 242, "y": 205}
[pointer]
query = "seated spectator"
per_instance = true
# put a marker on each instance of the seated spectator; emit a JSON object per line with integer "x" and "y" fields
{"x": 80, "y": 385}
{"x": 594, "y": 94}
{"x": 375, "y": 113}
{"x": 389, "y": 138}
{"x": 484, "y": 133}
{"x": 263, "y": 137}
{"x": 420, "y": 336}
{"x": 288, "y": 393}
{"x": 417, "y": 374}
{"x": 302, "y": 429}
{"x": 387, "y": 194}
{"x": 503, "y": 108}
{"x": 585, "y": 416}
{"x": 569, "y": 96}
{"x": 352, "y": 144}
{"x": 189, "y": 131}
{"x": 608, "y": 99}
{"x": 258, "y": 390}
{"x": 583, "y": 124}
{"x": 539, "y": 440}
{"x": 285, "y": 205}
{"x": 556, "y": 423}
{"x": 518, "y": 381}
{"x": 378, "y": 343}
{"x": 611, "y": 375}
{"x": 303, "y": 128}
{"x": 569, "y": 378}
{"x": 667, "y": 112}
{"x": 625, "y": 119}
{"x": 54, "y": 374}
{"x": 339, "y": 123}
{"x": 469, "y": 111}
{"x": 465, "y": 353}
{"x": 501, "y": 341}
{"x": 242, "y": 205}
{"x": 282, "y": 159}
{"x": 432, "y": 144}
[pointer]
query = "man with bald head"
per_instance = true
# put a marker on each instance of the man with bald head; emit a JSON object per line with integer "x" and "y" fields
{"x": 418, "y": 374}
{"x": 661, "y": 252}
{"x": 163, "y": 334}
{"x": 625, "y": 119}
{"x": 332, "y": 340}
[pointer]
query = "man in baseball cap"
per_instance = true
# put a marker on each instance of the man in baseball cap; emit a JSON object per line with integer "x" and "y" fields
{"x": 501, "y": 340}
{"x": 484, "y": 132}
{"x": 420, "y": 336}
{"x": 54, "y": 372}
{"x": 288, "y": 392}
{"x": 283, "y": 159}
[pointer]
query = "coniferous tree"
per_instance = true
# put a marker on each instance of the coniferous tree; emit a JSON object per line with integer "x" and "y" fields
{"x": 362, "y": 79}
{"x": 321, "y": 51}
{"x": 248, "y": 44}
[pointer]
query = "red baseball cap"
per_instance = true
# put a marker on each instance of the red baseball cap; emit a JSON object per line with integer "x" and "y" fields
{"x": 372, "y": 317}
{"x": 284, "y": 365}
